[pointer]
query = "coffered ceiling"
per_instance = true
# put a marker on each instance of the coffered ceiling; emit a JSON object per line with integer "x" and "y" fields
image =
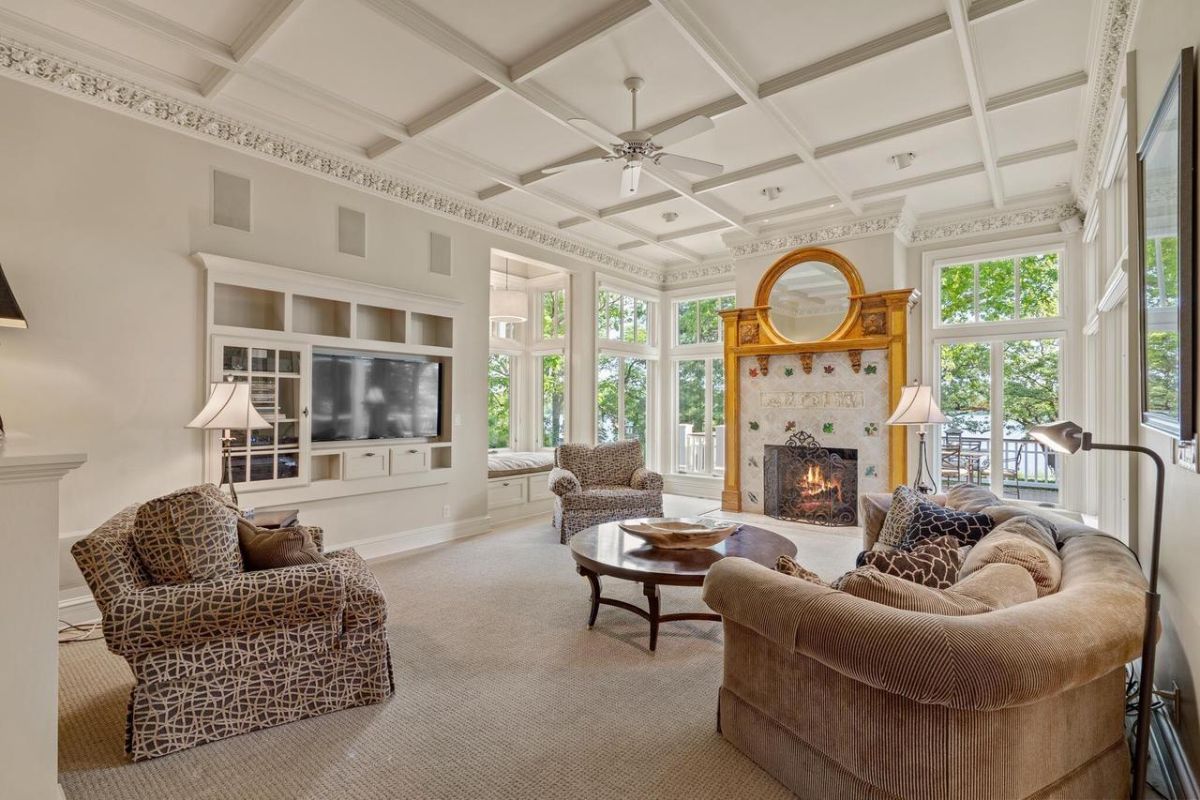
{"x": 808, "y": 96}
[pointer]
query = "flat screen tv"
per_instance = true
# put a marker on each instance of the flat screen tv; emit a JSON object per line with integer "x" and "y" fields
{"x": 359, "y": 396}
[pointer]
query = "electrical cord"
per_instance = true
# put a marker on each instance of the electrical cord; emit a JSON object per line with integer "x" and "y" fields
{"x": 80, "y": 633}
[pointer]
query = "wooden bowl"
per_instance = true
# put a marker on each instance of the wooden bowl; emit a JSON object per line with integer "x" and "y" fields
{"x": 680, "y": 533}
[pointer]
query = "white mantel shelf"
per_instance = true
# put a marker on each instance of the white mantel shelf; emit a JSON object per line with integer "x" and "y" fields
{"x": 29, "y": 478}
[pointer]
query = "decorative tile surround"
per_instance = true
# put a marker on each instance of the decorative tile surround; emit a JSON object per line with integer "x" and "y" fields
{"x": 839, "y": 406}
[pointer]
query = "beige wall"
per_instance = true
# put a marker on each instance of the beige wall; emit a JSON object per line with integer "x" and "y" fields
{"x": 1161, "y": 30}
{"x": 99, "y": 214}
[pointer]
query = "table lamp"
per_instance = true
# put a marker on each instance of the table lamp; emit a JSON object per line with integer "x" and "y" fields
{"x": 229, "y": 408}
{"x": 917, "y": 407}
{"x": 1067, "y": 437}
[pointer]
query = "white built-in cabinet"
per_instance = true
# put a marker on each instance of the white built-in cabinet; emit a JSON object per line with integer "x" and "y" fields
{"x": 263, "y": 323}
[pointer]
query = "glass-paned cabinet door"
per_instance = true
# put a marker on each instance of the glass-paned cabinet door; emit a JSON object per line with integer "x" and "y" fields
{"x": 278, "y": 374}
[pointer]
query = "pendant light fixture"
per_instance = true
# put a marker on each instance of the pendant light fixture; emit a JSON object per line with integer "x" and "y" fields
{"x": 507, "y": 305}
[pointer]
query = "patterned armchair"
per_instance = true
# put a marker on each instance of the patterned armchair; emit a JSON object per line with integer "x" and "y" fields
{"x": 605, "y": 483}
{"x": 218, "y": 657}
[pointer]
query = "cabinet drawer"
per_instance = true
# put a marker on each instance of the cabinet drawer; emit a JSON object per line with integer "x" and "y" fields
{"x": 539, "y": 487}
{"x": 506, "y": 492}
{"x": 409, "y": 458}
{"x": 365, "y": 463}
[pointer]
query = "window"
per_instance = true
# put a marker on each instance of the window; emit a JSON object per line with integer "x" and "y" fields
{"x": 553, "y": 305}
{"x": 998, "y": 290}
{"x": 997, "y": 346}
{"x": 506, "y": 330}
{"x": 553, "y": 375}
{"x": 699, "y": 321}
{"x": 621, "y": 318}
{"x": 700, "y": 416}
{"x": 549, "y": 373}
{"x": 622, "y": 399}
{"x": 500, "y": 400}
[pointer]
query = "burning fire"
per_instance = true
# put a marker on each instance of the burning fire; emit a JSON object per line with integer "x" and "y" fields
{"x": 816, "y": 484}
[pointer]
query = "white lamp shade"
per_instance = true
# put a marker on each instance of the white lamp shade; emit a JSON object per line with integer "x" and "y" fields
{"x": 916, "y": 407}
{"x": 229, "y": 406}
{"x": 508, "y": 305}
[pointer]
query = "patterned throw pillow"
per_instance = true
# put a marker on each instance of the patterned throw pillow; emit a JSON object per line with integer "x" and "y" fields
{"x": 932, "y": 521}
{"x": 789, "y": 566}
{"x": 932, "y": 562}
{"x": 187, "y": 536}
{"x": 899, "y": 516}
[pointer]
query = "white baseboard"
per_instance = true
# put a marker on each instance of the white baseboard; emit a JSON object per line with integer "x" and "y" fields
{"x": 693, "y": 486}
{"x": 77, "y": 606}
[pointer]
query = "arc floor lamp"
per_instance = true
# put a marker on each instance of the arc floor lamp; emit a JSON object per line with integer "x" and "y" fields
{"x": 1067, "y": 437}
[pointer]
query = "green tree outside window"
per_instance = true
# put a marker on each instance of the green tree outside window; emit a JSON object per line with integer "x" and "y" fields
{"x": 499, "y": 400}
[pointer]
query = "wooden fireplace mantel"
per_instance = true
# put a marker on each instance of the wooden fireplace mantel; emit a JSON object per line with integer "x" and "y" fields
{"x": 874, "y": 321}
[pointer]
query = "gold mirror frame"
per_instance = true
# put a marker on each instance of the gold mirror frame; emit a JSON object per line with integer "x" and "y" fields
{"x": 853, "y": 280}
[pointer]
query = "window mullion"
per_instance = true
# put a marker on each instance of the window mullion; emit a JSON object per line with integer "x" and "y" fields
{"x": 997, "y": 418}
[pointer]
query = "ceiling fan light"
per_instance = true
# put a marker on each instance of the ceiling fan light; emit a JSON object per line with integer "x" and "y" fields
{"x": 507, "y": 305}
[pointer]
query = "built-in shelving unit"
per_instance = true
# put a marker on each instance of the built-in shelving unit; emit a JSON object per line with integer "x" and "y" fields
{"x": 263, "y": 323}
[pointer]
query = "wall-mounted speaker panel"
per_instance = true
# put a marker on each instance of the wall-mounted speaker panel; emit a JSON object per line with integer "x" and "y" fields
{"x": 230, "y": 200}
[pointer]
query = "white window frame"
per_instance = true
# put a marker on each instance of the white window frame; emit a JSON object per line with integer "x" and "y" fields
{"x": 649, "y": 351}
{"x": 514, "y": 398}
{"x": 1060, "y": 327}
{"x": 539, "y": 347}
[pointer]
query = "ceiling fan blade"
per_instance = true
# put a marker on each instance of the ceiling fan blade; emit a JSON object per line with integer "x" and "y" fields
{"x": 629, "y": 178}
{"x": 557, "y": 168}
{"x": 693, "y": 126}
{"x": 593, "y": 130}
{"x": 695, "y": 166}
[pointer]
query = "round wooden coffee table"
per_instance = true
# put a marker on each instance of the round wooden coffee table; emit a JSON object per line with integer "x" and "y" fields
{"x": 608, "y": 550}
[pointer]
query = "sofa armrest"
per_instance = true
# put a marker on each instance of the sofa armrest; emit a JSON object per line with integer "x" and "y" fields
{"x": 644, "y": 479}
{"x": 563, "y": 481}
{"x": 159, "y": 617}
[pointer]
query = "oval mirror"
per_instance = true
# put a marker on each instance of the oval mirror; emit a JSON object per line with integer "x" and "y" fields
{"x": 809, "y": 301}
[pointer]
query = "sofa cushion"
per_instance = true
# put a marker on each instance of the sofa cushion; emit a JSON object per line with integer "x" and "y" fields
{"x": 614, "y": 498}
{"x": 608, "y": 464}
{"x": 187, "y": 536}
{"x": 931, "y": 562}
{"x": 263, "y": 548}
{"x": 994, "y": 587}
{"x": 969, "y": 497}
{"x": 905, "y": 502}
{"x": 365, "y": 602}
{"x": 1026, "y": 541}
{"x": 790, "y": 566}
{"x": 932, "y": 521}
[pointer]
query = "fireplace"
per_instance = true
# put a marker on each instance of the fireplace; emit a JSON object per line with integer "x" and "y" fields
{"x": 805, "y": 482}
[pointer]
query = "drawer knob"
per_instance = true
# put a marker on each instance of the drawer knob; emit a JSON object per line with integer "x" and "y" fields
{"x": 414, "y": 452}
{"x": 504, "y": 484}
{"x": 368, "y": 455}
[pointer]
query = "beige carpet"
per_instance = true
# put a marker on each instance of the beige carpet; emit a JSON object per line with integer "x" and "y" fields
{"x": 502, "y": 692}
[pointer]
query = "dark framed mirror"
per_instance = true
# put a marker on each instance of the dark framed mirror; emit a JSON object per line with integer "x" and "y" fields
{"x": 1167, "y": 191}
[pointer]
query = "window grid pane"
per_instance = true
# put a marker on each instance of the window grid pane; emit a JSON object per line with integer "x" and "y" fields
{"x": 554, "y": 395}
{"x": 500, "y": 400}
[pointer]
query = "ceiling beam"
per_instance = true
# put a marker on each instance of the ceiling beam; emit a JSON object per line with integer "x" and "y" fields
{"x": 208, "y": 48}
{"x": 696, "y": 231}
{"x": 433, "y": 31}
{"x": 745, "y": 173}
{"x": 1037, "y": 90}
{"x": 641, "y": 202}
{"x": 249, "y": 42}
{"x": 599, "y": 24}
{"x": 711, "y": 50}
{"x": 965, "y": 41}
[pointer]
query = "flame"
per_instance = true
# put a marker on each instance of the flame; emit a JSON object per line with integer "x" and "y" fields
{"x": 814, "y": 483}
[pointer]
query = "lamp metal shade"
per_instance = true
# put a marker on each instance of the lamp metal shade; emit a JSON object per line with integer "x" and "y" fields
{"x": 1064, "y": 436}
{"x": 916, "y": 407}
{"x": 229, "y": 407}
{"x": 508, "y": 305}
{"x": 10, "y": 312}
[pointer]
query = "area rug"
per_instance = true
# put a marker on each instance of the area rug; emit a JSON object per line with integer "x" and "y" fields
{"x": 501, "y": 692}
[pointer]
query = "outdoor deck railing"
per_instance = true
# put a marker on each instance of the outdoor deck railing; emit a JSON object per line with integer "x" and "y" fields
{"x": 1026, "y": 462}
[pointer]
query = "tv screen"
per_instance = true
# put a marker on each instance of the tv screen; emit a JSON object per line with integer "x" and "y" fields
{"x": 359, "y": 396}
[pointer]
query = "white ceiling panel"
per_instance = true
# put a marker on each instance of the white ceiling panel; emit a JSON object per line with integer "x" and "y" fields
{"x": 920, "y": 79}
{"x": 605, "y": 234}
{"x": 969, "y": 190}
{"x": 411, "y": 157}
{"x": 223, "y": 20}
{"x": 650, "y": 218}
{"x": 706, "y": 244}
{"x": 505, "y": 131}
{"x": 936, "y": 149}
{"x": 598, "y": 185}
{"x": 532, "y": 207}
{"x": 740, "y": 139}
{"x": 338, "y": 126}
{"x": 513, "y": 29}
{"x": 771, "y": 38}
{"x": 1031, "y": 177}
{"x": 1033, "y": 41}
{"x": 350, "y": 50}
{"x": 1038, "y": 123}
{"x": 798, "y": 185}
{"x": 590, "y": 78}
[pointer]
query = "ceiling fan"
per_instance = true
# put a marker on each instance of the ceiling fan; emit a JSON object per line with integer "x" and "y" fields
{"x": 638, "y": 146}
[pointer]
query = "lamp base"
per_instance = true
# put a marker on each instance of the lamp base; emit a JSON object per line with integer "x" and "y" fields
{"x": 920, "y": 485}
{"x": 226, "y": 442}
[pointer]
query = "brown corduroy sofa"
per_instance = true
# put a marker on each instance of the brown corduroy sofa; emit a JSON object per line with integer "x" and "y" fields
{"x": 836, "y": 696}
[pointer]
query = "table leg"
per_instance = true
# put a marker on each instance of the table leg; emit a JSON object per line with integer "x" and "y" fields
{"x": 651, "y": 592}
{"x": 594, "y": 580}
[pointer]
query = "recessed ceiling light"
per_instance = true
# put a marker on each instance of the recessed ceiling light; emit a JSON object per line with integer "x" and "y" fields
{"x": 772, "y": 192}
{"x": 902, "y": 160}
{"x": 669, "y": 216}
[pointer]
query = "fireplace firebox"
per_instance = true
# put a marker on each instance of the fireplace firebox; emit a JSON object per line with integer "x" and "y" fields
{"x": 805, "y": 482}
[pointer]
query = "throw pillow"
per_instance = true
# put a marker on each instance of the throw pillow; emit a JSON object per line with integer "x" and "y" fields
{"x": 997, "y": 586}
{"x": 932, "y": 562}
{"x": 187, "y": 536}
{"x": 899, "y": 516}
{"x": 271, "y": 549}
{"x": 1027, "y": 542}
{"x": 789, "y": 566}
{"x": 969, "y": 497}
{"x": 932, "y": 522}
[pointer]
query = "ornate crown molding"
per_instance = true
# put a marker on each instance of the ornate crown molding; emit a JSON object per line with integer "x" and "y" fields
{"x": 833, "y": 232}
{"x": 49, "y": 71}
{"x": 690, "y": 273}
{"x": 995, "y": 223}
{"x": 1116, "y": 28}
